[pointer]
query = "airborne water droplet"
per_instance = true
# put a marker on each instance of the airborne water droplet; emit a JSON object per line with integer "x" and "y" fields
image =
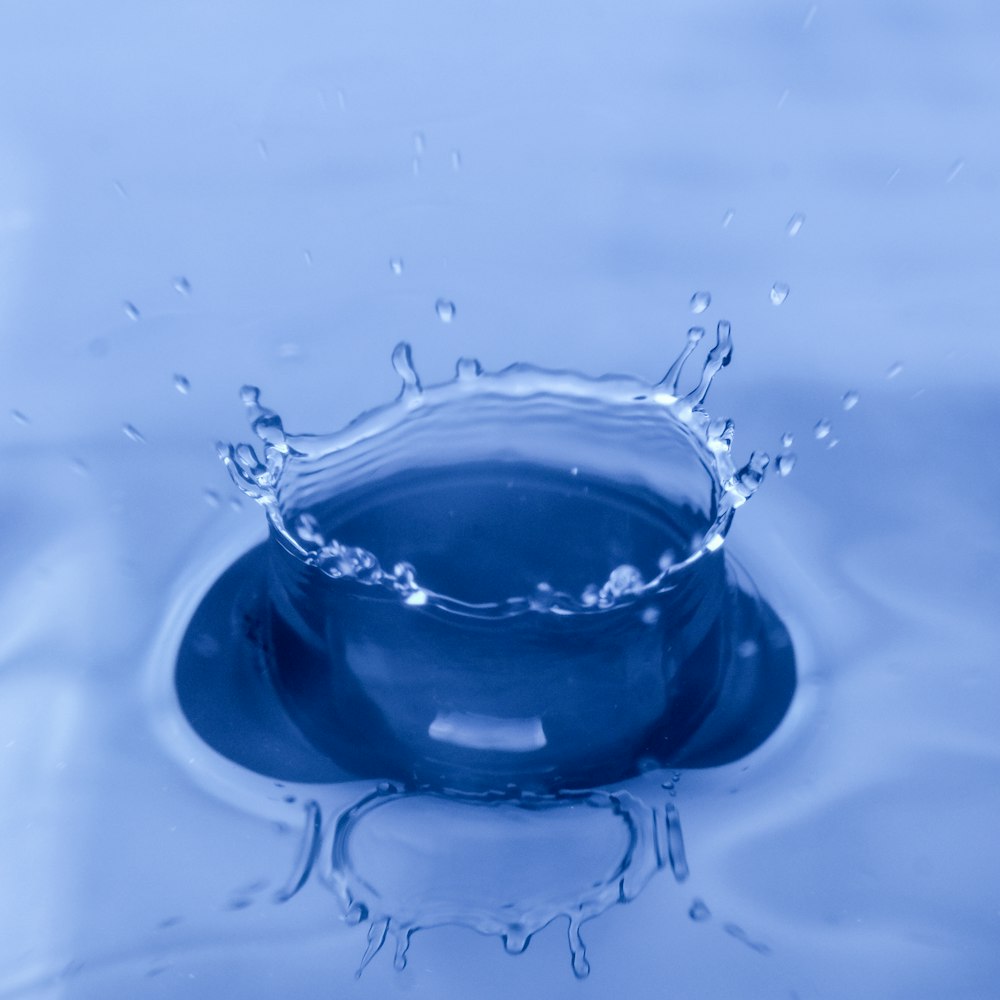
{"x": 182, "y": 285}
{"x": 795, "y": 224}
{"x": 786, "y": 462}
{"x": 822, "y": 429}
{"x": 727, "y": 218}
{"x": 182, "y": 384}
{"x": 456, "y": 160}
{"x": 850, "y": 399}
{"x": 133, "y": 434}
{"x": 894, "y": 370}
{"x": 787, "y": 439}
{"x": 699, "y": 911}
{"x": 445, "y": 310}
{"x": 700, "y": 301}
{"x": 779, "y": 292}
{"x": 19, "y": 417}
{"x": 131, "y": 310}
{"x": 396, "y": 266}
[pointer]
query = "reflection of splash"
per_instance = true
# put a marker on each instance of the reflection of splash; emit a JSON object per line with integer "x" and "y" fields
{"x": 402, "y": 861}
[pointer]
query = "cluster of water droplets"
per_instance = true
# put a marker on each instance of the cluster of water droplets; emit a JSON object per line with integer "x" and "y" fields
{"x": 258, "y": 470}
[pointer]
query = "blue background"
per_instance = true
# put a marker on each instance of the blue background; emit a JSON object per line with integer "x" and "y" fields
{"x": 277, "y": 157}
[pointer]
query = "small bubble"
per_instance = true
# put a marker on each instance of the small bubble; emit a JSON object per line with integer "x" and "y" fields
{"x": 700, "y": 301}
{"x": 181, "y": 285}
{"x": 456, "y": 160}
{"x": 832, "y": 443}
{"x": 747, "y": 648}
{"x": 396, "y": 266}
{"x": 894, "y": 370}
{"x": 131, "y": 310}
{"x": 20, "y": 418}
{"x": 182, "y": 384}
{"x": 850, "y": 399}
{"x": 787, "y": 439}
{"x": 133, "y": 434}
{"x": 699, "y": 911}
{"x": 445, "y": 310}
{"x": 727, "y": 218}
{"x": 650, "y": 616}
{"x": 795, "y": 224}
{"x": 822, "y": 429}
{"x": 779, "y": 292}
{"x": 786, "y": 462}
{"x": 212, "y": 498}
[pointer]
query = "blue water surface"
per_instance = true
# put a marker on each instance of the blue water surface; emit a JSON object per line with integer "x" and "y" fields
{"x": 276, "y": 194}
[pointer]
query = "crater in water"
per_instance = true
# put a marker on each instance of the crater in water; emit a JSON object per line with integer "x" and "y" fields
{"x": 495, "y": 596}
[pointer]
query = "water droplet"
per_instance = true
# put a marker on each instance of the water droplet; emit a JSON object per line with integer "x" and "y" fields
{"x": 211, "y": 498}
{"x": 699, "y": 911}
{"x": 402, "y": 362}
{"x": 822, "y": 429}
{"x": 787, "y": 439}
{"x": 307, "y": 257}
{"x": 956, "y": 169}
{"x": 734, "y": 930}
{"x": 131, "y": 310}
{"x": 133, "y": 434}
{"x": 795, "y": 224}
{"x": 445, "y": 310}
{"x": 120, "y": 189}
{"x": 650, "y": 616}
{"x": 262, "y": 149}
{"x": 79, "y": 466}
{"x": 182, "y": 384}
{"x": 623, "y": 580}
{"x": 396, "y": 265}
{"x": 786, "y": 462}
{"x": 779, "y": 292}
{"x": 675, "y": 843}
{"x": 467, "y": 369}
{"x": 19, "y": 417}
{"x": 700, "y": 301}
{"x": 456, "y": 160}
{"x": 850, "y": 399}
{"x": 894, "y": 370}
{"x": 833, "y": 442}
{"x": 727, "y": 218}
{"x": 810, "y": 14}
{"x": 419, "y": 143}
{"x": 781, "y": 100}
{"x": 181, "y": 285}
{"x": 341, "y": 100}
